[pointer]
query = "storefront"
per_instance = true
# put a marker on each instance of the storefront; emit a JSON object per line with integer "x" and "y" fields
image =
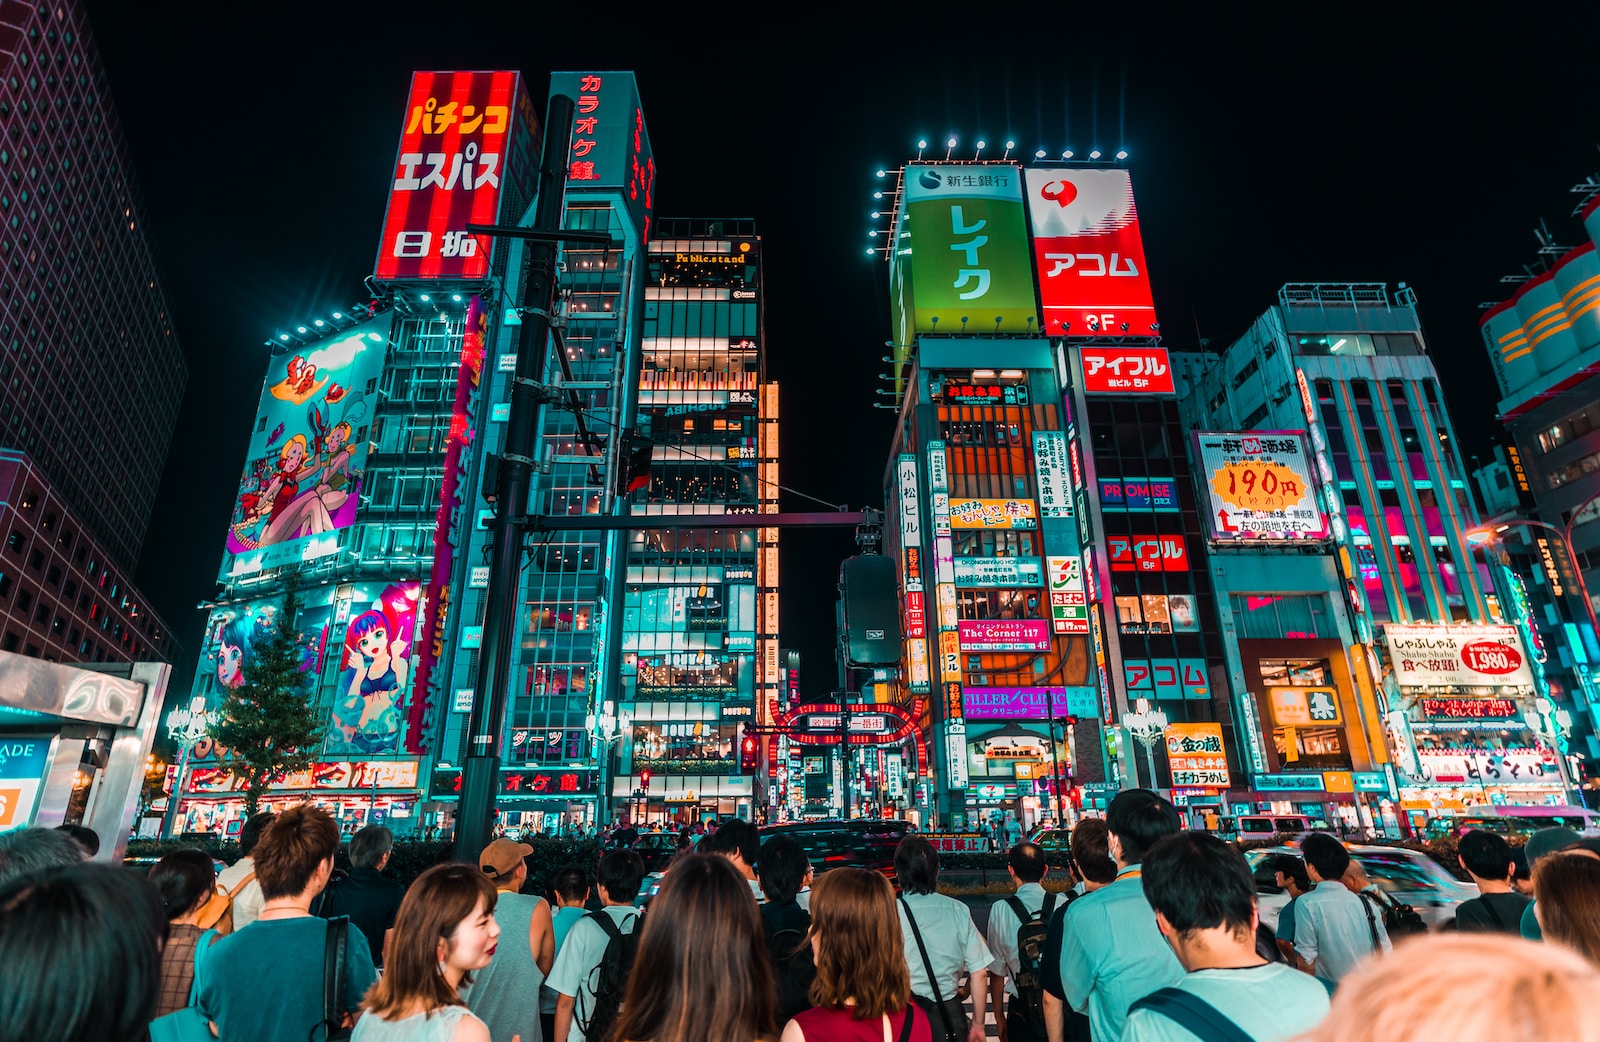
{"x": 356, "y": 792}
{"x": 541, "y": 799}
{"x": 1012, "y": 769}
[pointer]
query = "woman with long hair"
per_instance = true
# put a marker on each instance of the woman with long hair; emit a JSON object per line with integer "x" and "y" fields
{"x": 863, "y": 989}
{"x": 701, "y": 973}
{"x": 1469, "y": 987}
{"x": 1566, "y": 890}
{"x": 185, "y": 880}
{"x": 445, "y": 930}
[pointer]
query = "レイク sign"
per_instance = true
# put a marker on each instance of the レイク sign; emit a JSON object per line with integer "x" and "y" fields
{"x": 1092, "y": 277}
{"x": 1457, "y": 656}
{"x": 466, "y": 137}
{"x": 1126, "y": 370}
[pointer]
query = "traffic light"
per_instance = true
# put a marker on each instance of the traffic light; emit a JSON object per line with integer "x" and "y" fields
{"x": 644, "y": 778}
{"x": 747, "y": 754}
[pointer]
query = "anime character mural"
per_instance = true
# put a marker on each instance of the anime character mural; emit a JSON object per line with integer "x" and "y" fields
{"x": 308, "y": 449}
{"x": 375, "y": 674}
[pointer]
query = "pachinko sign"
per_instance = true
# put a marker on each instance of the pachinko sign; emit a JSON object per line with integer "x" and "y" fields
{"x": 308, "y": 447}
{"x": 1086, "y": 242}
{"x": 1457, "y": 656}
{"x": 466, "y": 141}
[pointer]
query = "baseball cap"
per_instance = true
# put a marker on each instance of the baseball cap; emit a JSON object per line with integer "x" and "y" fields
{"x": 1548, "y": 841}
{"x": 500, "y": 858}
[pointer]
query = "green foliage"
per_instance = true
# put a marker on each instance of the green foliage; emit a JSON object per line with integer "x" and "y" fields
{"x": 269, "y": 725}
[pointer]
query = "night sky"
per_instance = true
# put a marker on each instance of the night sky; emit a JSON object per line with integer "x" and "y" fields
{"x": 1357, "y": 146}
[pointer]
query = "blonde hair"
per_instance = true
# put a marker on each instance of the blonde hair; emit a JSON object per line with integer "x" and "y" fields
{"x": 1466, "y": 988}
{"x": 298, "y": 439}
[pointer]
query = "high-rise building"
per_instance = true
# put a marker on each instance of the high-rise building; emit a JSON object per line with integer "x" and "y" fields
{"x": 1439, "y": 679}
{"x": 86, "y": 332}
{"x": 700, "y": 658}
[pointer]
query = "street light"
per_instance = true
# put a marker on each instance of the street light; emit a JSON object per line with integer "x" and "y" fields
{"x": 1147, "y": 725}
{"x": 185, "y": 725}
{"x": 604, "y": 728}
{"x": 1485, "y": 536}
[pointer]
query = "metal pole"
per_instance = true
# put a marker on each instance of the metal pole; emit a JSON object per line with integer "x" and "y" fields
{"x": 1055, "y": 759}
{"x": 177, "y": 790}
{"x": 480, "y": 773}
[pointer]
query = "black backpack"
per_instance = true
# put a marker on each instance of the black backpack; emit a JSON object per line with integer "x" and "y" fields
{"x": 1399, "y": 919}
{"x": 610, "y": 978}
{"x": 1031, "y": 935}
{"x": 793, "y": 970}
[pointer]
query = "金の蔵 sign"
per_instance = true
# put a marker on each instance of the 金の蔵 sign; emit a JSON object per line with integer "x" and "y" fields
{"x": 1196, "y": 756}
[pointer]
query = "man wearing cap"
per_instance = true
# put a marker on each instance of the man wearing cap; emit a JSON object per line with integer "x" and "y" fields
{"x": 505, "y": 994}
{"x": 1542, "y": 844}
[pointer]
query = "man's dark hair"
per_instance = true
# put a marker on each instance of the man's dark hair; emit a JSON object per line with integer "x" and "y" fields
{"x": 1198, "y": 882}
{"x": 86, "y": 838}
{"x": 734, "y": 837}
{"x": 33, "y": 851}
{"x": 293, "y": 849}
{"x": 250, "y": 834}
{"x": 65, "y": 929}
{"x": 368, "y": 846}
{"x": 1290, "y": 866}
{"x": 621, "y": 872}
{"x": 1325, "y": 854}
{"x": 916, "y": 864}
{"x": 1486, "y": 855}
{"x": 1090, "y": 853}
{"x": 783, "y": 868}
{"x": 570, "y": 883}
{"x": 1139, "y": 819}
{"x": 1027, "y": 861}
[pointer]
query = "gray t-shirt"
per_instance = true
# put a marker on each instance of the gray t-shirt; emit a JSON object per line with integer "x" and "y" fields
{"x": 505, "y": 993}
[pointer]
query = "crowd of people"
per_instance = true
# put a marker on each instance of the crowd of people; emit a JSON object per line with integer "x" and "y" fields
{"x": 1155, "y": 934}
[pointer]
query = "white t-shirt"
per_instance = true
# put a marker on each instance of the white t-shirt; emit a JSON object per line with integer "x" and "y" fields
{"x": 1269, "y": 1003}
{"x": 247, "y": 902}
{"x": 573, "y": 972}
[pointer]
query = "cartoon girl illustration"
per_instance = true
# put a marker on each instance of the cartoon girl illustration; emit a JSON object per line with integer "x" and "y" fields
{"x": 312, "y": 511}
{"x": 274, "y": 497}
{"x": 367, "y": 715}
{"x": 234, "y": 654}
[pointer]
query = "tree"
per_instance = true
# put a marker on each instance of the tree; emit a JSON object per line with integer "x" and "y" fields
{"x": 269, "y": 725}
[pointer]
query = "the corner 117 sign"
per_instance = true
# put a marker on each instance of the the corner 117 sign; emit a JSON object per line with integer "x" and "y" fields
{"x": 466, "y": 144}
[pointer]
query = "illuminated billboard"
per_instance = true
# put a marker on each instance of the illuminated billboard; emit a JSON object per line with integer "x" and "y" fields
{"x": 308, "y": 448}
{"x": 960, "y": 260}
{"x": 1126, "y": 370}
{"x": 1457, "y": 656}
{"x": 467, "y": 143}
{"x": 610, "y": 146}
{"x": 374, "y": 686}
{"x": 1092, "y": 278}
{"x": 1260, "y": 486}
{"x": 993, "y": 513}
{"x": 1196, "y": 756}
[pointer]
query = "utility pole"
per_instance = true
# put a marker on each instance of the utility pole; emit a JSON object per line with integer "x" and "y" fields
{"x": 480, "y": 773}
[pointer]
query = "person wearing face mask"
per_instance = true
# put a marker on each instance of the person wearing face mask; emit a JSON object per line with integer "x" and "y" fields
{"x": 1112, "y": 953}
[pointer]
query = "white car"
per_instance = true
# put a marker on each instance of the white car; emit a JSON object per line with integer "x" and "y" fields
{"x": 1409, "y": 876}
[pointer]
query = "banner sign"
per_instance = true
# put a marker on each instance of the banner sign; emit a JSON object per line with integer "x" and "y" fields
{"x": 1196, "y": 757}
{"x": 1305, "y": 706}
{"x": 1169, "y": 678}
{"x": 1457, "y": 656}
{"x": 1470, "y": 709}
{"x": 467, "y": 139}
{"x": 1288, "y": 783}
{"x": 23, "y": 759}
{"x": 1260, "y": 486}
{"x": 1069, "y": 607}
{"x": 1490, "y": 766}
{"x": 1029, "y": 703}
{"x": 998, "y": 571}
{"x": 993, "y": 513}
{"x": 1051, "y": 468}
{"x": 358, "y": 774}
{"x": 1155, "y": 494}
{"x": 1126, "y": 370}
{"x": 910, "y": 507}
{"x": 1148, "y": 553}
{"x": 1004, "y": 634}
{"x": 1092, "y": 278}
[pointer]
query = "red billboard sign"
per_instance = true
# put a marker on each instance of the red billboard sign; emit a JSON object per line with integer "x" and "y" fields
{"x": 1148, "y": 553}
{"x": 1127, "y": 370}
{"x": 465, "y": 140}
{"x": 1086, "y": 242}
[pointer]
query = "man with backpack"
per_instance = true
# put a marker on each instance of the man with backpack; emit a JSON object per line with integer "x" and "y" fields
{"x": 783, "y": 869}
{"x": 591, "y": 970}
{"x": 1204, "y": 900}
{"x": 1017, "y": 928}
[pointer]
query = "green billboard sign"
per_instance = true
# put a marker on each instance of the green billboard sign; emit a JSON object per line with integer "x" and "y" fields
{"x": 964, "y": 228}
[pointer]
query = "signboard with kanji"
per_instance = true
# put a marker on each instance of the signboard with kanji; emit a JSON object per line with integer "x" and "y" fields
{"x": 1196, "y": 756}
{"x": 1092, "y": 277}
{"x": 1305, "y": 706}
{"x": 1457, "y": 656}
{"x": 610, "y": 145}
{"x": 1260, "y": 485}
{"x": 1126, "y": 370}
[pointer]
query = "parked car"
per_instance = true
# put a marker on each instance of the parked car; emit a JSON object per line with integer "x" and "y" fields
{"x": 1515, "y": 822}
{"x": 1409, "y": 876}
{"x": 861, "y": 843}
{"x": 656, "y": 849}
{"x": 1265, "y": 826}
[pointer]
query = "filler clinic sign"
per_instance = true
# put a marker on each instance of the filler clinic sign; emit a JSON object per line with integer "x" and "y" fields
{"x": 466, "y": 141}
{"x": 961, "y": 250}
{"x": 1260, "y": 486}
{"x": 1092, "y": 277}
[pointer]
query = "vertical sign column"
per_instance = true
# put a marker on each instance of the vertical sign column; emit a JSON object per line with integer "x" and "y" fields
{"x": 911, "y": 567}
{"x": 944, "y": 564}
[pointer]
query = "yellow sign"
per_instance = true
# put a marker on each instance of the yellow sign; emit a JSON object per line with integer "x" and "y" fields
{"x": 1305, "y": 706}
{"x": 1338, "y": 781}
{"x": 993, "y": 513}
{"x": 1258, "y": 486}
{"x": 1196, "y": 756}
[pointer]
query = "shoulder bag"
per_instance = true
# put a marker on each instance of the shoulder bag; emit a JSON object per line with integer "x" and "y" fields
{"x": 335, "y": 951}
{"x": 954, "y": 1025}
{"x": 1194, "y": 1014}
